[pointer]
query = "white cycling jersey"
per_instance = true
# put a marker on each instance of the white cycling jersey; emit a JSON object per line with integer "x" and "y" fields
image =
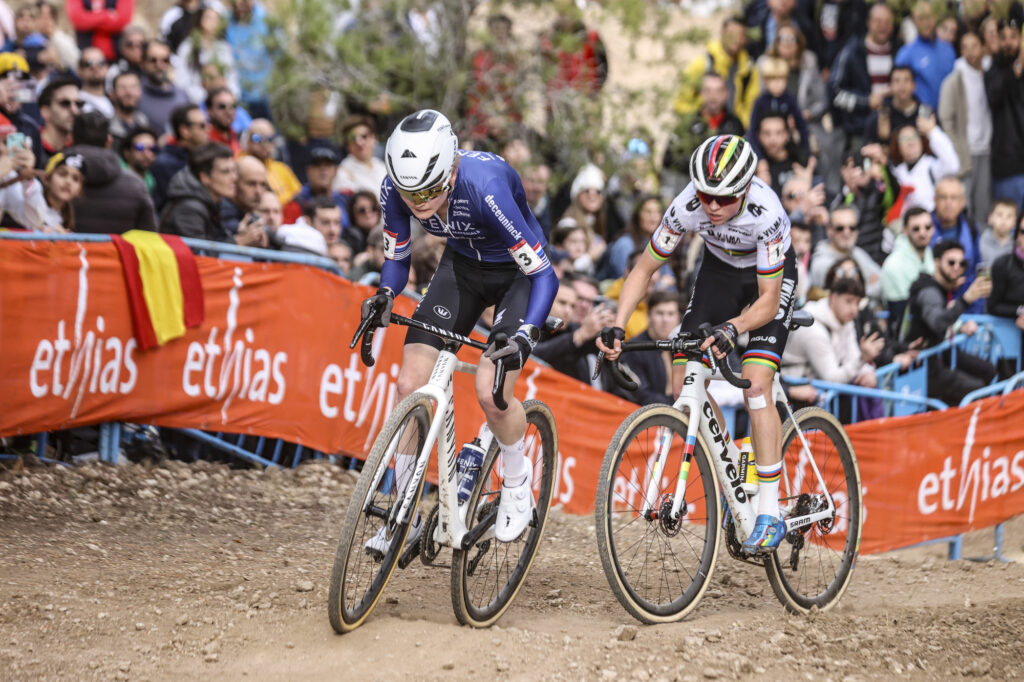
{"x": 757, "y": 236}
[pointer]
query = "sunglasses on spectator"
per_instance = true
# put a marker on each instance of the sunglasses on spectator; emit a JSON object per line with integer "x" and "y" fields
{"x": 68, "y": 103}
{"x": 794, "y": 195}
{"x": 722, "y": 201}
{"x": 425, "y": 195}
{"x": 93, "y": 65}
{"x": 257, "y": 138}
{"x": 158, "y": 60}
{"x": 134, "y": 45}
{"x": 844, "y": 228}
{"x": 955, "y": 263}
{"x": 363, "y": 210}
{"x": 921, "y": 228}
{"x": 224, "y": 105}
{"x": 139, "y": 147}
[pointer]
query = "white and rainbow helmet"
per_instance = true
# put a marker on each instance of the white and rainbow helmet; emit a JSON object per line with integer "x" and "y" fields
{"x": 723, "y": 165}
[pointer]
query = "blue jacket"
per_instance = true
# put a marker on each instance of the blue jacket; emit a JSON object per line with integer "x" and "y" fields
{"x": 489, "y": 221}
{"x": 931, "y": 61}
{"x": 967, "y": 235}
{"x": 252, "y": 58}
{"x": 168, "y": 162}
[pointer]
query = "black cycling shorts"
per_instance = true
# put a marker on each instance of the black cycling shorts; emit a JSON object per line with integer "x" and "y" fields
{"x": 462, "y": 288}
{"x": 722, "y": 291}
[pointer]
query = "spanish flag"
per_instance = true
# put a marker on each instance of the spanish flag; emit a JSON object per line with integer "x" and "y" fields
{"x": 165, "y": 292}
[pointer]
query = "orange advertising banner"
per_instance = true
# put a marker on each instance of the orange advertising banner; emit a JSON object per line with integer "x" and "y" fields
{"x": 272, "y": 359}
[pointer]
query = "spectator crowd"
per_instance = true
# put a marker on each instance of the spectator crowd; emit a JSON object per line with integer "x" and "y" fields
{"x": 893, "y": 133}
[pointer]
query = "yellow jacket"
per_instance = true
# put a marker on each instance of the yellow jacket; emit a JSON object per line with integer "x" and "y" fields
{"x": 637, "y": 323}
{"x": 282, "y": 181}
{"x": 745, "y": 81}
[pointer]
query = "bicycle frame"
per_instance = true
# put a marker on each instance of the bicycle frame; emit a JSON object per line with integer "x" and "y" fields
{"x": 451, "y": 527}
{"x": 695, "y": 399}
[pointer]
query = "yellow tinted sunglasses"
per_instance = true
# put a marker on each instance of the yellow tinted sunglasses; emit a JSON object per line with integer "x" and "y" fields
{"x": 424, "y": 195}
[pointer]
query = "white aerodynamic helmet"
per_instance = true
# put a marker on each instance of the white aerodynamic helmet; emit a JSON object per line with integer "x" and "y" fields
{"x": 723, "y": 165}
{"x": 420, "y": 153}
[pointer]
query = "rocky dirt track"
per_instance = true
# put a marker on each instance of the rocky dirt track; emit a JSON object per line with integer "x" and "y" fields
{"x": 200, "y": 571}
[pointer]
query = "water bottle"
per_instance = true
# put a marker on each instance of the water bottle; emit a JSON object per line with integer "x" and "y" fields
{"x": 470, "y": 458}
{"x": 748, "y": 468}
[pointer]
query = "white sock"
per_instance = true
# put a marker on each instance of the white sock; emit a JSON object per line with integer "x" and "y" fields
{"x": 768, "y": 489}
{"x": 514, "y": 458}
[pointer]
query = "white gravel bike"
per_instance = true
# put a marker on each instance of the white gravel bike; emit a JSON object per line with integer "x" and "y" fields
{"x": 671, "y": 471}
{"x": 486, "y": 574}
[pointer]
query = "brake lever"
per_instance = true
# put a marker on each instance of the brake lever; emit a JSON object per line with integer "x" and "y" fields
{"x": 608, "y": 339}
{"x": 500, "y": 340}
{"x": 366, "y": 349}
{"x": 360, "y": 330}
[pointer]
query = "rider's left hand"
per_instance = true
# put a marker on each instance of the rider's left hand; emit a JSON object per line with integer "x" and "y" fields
{"x": 514, "y": 353}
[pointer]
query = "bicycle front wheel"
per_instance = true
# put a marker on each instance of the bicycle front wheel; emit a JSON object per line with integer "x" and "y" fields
{"x": 813, "y": 567}
{"x": 371, "y": 540}
{"x": 487, "y": 576}
{"x": 658, "y": 567}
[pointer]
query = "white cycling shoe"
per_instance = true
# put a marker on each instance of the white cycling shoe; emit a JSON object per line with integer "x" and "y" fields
{"x": 515, "y": 509}
{"x": 378, "y": 545}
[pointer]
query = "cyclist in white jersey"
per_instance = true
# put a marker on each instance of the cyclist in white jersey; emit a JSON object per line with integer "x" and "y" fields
{"x": 745, "y": 283}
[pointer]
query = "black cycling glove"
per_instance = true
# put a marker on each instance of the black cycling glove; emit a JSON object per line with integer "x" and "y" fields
{"x": 725, "y": 337}
{"x": 609, "y": 335}
{"x": 378, "y": 307}
{"x": 516, "y": 351}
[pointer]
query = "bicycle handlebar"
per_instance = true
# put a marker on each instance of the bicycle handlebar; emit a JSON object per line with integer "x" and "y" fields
{"x": 367, "y": 328}
{"x": 684, "y": 343}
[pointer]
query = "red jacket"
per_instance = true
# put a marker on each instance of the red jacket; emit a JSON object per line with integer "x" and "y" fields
{"x": 98, "y": 23}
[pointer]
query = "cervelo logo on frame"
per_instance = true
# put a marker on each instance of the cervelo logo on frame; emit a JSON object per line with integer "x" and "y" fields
{"x": 233, "y": 367}
{"x": 87, "y": 363}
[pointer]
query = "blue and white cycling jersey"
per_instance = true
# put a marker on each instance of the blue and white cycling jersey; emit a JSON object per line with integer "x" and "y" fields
{"x": 489, "y": 220}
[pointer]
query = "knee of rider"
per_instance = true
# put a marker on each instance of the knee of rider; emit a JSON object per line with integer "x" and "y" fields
{"x": 756, "y": 396}
{"x": 407, "y": 384}
{"x": 486, "y": 401}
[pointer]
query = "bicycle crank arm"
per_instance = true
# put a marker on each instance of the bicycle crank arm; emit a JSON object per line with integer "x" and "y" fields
{"x": 410, "y": 553}
{"x": 476, "y": 532}
{"x": 799, "y": 522}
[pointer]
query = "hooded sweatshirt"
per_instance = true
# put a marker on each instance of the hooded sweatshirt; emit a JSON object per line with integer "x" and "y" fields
{"x": 902, "y": 268}
{"x": 113, "y": 200}
{"x": 157, "y": 103}
{"x": 827, "y": 350}
{"x": 191, "y": 210}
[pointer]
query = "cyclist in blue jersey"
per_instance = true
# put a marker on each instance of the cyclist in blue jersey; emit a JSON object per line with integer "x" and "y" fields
{"x": 494, "y": 256}
{"x": 745, "y": 283}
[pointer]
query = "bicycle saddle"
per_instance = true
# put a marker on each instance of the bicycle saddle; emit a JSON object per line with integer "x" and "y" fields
{"x": 801, "y": 318}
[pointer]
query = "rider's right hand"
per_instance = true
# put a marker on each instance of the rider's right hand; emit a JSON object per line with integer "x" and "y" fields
{"x": 610, "y": 342}
{"x": 378, "y": 307}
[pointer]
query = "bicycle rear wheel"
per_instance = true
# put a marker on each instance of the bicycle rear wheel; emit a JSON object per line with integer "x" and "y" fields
{"x": 658, "y": 568}
{"x": 361, "y": 569}
{"x": 487, "y": 576}
{"x": 813, "y": 567}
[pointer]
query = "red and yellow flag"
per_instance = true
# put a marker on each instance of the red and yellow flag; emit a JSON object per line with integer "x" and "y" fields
{"x": 165, "y": 293}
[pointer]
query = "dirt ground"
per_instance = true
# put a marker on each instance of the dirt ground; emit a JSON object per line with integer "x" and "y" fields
{"x": 201, "y": 571}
